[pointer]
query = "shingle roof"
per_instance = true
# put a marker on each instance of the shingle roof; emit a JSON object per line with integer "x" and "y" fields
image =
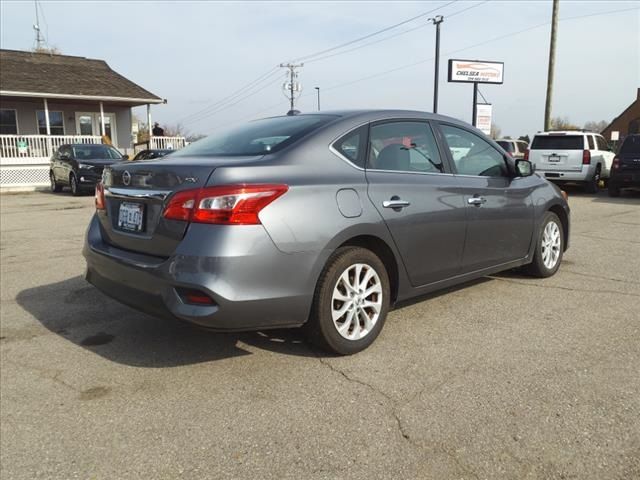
{"x": 44, "y": 73}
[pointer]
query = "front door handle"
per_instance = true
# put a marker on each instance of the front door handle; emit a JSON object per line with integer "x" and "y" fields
{"x": 477, "y": 201}
{"x": 395, "y": 203}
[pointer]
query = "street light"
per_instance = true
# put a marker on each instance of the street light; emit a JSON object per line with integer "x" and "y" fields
{"x": 437, "y": 20}
{"x": 318, "y": 90}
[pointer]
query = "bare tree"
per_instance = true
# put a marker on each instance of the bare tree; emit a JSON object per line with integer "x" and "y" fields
{"x": 52, "y": 50}
{"x": 596, "y": 127}
{"x": 562, "y": 123}
{"x": 495, "y": 131}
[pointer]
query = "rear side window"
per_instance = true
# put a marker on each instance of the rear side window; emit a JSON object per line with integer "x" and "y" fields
{"x": 631, "y": 146}
{"x": 259, "y": 137}
{"x": 353, "y": 145}
{"x": 508, "y": 146}
{"x": 557, "y": 142}
{"x": 602, "y": 143}
{"x": 590, "y": 140}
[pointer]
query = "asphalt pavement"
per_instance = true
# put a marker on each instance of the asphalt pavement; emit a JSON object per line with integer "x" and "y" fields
{"x": 507, "y": 377}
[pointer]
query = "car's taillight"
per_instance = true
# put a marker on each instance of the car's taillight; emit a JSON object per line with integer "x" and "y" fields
{"x": 99, "y": 197}
{"x": 616, "y": 163}
{"x": 526, "y": 154}
{"x": 586, "y": 157}
{"x": 228, "y": 204}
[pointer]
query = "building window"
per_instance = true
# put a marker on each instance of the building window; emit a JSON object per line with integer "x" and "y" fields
{"x": 8, "y": 122}
{"x": 56, "y": 123}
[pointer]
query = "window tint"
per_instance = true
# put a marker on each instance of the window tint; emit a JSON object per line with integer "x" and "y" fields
{"x": 404, "y": 147}
{"x": 8, "y": 122}
{"x": 259, "y": 137}
{"x": 508, "y": 146}
{"x": 557, "y": 142}
{"x": 631, "y": 146}
{"x": 95, "y": 152}
{"x": 473, "y": 155}
{"x": 590, "y": 141}
{"x": 602, "y": 143}
{"x": 353, "y": 146}
{"x": 56, "y": 123}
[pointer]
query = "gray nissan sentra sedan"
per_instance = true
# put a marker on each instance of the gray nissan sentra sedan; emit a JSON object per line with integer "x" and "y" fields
{"x": 322, "y": 220}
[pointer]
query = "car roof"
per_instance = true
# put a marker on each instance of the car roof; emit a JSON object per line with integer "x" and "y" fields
{"x": 566, "y": 132}
{"x": 375, "y": 114}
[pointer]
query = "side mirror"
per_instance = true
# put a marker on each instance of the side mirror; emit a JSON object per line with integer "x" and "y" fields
{"x": 125, "y": 157}
{"x": 524, "y": 168}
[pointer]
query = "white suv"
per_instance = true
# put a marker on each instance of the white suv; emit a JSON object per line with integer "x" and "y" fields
{"x": 571, "y": 157}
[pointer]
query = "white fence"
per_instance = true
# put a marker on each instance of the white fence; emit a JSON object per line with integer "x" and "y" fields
{"x": 24, "y": 159}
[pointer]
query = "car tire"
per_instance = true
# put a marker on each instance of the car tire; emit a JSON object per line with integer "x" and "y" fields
{"x": 73, "y": 183}
{"x": 593, "y": 185}
{"x": 613, "y": 190}
{"x": 547, "y": 256}
{"x": 341, "y": 293}
{"x": 55, "y": 186}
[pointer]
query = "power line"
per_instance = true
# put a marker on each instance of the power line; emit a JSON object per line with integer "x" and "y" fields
{"x": 413, "y": 64}
{"x": 373, "y": 34}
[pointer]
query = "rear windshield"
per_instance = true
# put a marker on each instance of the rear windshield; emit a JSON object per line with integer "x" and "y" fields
{"x": 508, "y": 146}
{"x": 558, "y": 142}
{"x": 258, "y": 137}
{"x": 631, "y": 146}
{"x": 95, "y": 152}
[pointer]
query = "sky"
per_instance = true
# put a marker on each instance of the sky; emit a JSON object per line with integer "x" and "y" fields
{"x": 196, "y": 54}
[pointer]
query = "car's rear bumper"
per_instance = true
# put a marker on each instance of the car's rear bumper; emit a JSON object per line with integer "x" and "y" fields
{"x": 625, "y": 180}
{"x": 252, "y": 284}
{"x": 583, "y": 175}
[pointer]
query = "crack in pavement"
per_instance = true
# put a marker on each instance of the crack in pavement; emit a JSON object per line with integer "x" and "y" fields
{"x": 558, "y": 287}
{"x": 564, "y": 270}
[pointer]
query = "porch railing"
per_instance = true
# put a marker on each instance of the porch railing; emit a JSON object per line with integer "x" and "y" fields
{"x": 24, "y": 159}
{"x": 167, "y": 143}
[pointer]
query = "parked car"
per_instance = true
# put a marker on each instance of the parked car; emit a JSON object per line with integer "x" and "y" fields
{"x": 515, "y": 148}
{"x": 79, "y": 166}
{"x": 322, "y": 220}
{"x": 150, "y": 154}
{"x": 571, "y": 157}
{"x": 625, "y": 172}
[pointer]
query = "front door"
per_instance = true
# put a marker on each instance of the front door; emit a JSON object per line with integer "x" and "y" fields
{"x": 499, "y": 207}
{"x": 411, "y": 186}
{"x": 88, "y": 123}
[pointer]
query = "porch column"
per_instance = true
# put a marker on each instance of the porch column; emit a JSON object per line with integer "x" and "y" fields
{"x": 102, "y": 130}
{"x": 46, "y": 121}
{"x": 46, "y": 116}
{"x": 149, "y": 124}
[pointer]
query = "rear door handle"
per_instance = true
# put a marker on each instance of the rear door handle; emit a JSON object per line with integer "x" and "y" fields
{"x": 477, "y": 201}
{"x": 395, "y": 203}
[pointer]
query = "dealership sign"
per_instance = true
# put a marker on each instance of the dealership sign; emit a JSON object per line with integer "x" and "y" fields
{"x": 484, "y": 112}
{"x": 474, "y": 71}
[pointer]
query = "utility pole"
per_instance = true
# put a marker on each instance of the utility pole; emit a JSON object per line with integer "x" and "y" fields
{"x": 552, "y": 62}
{"x": 318, "y": 91}
{"x": 36, "y": 27}
{"x": 292, "y": 87}
{"x": 437, "y": 20}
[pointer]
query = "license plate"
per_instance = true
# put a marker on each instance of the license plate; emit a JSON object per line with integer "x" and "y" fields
{"x": 130, "y": 216}
{"x": 554, "y": 159}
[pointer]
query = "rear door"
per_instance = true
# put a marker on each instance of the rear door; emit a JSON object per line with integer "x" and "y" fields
{"x": 559, "y": 152}
{"x": 499, "y": 208}
{"x": 605, "y": 154}
{"x": 629, "y": 159}
{"x": 411, "y": 186}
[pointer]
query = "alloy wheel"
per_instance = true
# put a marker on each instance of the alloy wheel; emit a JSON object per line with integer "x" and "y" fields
{"x": 356, "y": 301}
{"x": 551, "y": 243}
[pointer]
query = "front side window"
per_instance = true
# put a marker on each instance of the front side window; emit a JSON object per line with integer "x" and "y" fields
{"x": 56, "y": 123}
{"x": 8, "y": 122}
{"x": 404, "y": 147}
{"x": 473, "y": 155}
{"x": 259, "y": 137}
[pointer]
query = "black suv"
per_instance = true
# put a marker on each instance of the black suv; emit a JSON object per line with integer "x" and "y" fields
{"x": 625, "y": 171}
{"x": 79, "y": 165}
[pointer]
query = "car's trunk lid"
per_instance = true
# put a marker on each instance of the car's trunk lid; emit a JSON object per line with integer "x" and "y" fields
{"x": 136, "y": 194}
